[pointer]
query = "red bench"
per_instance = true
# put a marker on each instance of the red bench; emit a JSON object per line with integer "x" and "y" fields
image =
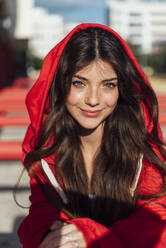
{"x": 162, "y": 119}
{"x": 14, "y": 120}
{"x": 162, "y": 101}
{"x": 161, "y": 97}
{"x": 12, "y": 113}
{"x": 10, "y": 150}
{"x": 162, "y": 109}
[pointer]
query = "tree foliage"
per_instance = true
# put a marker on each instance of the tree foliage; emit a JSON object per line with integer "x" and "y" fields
{"x": 34, "y": 61}
{"x": 157, "y": 61}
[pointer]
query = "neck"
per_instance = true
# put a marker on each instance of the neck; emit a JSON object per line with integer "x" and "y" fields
{"x": 91, "y": 139}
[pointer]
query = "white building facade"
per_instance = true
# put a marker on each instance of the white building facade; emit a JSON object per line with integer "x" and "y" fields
{"x": 143, "y": 24}
{"x": 20, "y": 12}
{"x": 47, "y": 31}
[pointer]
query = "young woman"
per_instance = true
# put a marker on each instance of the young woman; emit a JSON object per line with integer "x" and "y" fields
{"x": 94, "y": 148}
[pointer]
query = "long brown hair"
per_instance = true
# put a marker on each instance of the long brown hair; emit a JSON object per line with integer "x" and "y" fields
{"x": 125, "y": 135}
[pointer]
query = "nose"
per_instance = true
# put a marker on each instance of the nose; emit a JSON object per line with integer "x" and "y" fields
{"x": 92, "y": 97}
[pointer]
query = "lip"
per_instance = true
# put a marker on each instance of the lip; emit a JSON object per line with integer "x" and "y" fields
{"x": 91, "y": 113}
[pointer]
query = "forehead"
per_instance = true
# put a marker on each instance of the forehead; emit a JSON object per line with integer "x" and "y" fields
{"x": 98, "y": 68}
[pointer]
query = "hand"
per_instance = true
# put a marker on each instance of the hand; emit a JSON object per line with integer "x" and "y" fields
{"x": 63, "y": 235}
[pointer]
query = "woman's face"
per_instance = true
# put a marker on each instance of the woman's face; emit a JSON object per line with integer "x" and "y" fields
{"x": 93, "y": 94}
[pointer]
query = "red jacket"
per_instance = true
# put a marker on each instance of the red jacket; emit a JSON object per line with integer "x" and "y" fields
{"x": 145, "y": 228}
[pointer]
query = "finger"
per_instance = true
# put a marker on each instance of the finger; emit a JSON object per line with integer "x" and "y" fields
{"x": 60, "y": 235}
{"x": 74, "y": 238}
{"x": 58, "y": 242}
{"x": 56, "y": 225}
{"x": 70, "y": 239}
{"x": 72, "y": 244}
{"x": 50, "y": 239}
{"x": 66, "y": 229}
{"x": 52, "y": 242}
{"x": 68, "y": 245}
{"x": 65, "y": 234}
{"x": 47, "y": 240}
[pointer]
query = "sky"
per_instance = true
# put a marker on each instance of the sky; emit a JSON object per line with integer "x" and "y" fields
{"x": 79, "y": 3}
{"x": 77, "y": 11}
{"x": 67, "y": 3}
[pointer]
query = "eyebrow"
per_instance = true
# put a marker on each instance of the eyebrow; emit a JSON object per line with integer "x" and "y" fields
{"x": 105, "y": 80}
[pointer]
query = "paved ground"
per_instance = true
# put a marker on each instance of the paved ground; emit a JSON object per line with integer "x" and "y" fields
{"x": 158, "y": 84}
{"x": 10, "y": 214}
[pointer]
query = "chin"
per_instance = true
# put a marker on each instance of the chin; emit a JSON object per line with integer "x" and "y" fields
{"x": 89, "y": 126}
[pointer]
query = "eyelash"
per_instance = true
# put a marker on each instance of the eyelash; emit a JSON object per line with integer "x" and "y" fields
{"x": 80, "y": 84}
{"x": 110, "y": 85}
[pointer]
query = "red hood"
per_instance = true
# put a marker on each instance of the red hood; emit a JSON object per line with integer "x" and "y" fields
{"x": 37, "y": 96}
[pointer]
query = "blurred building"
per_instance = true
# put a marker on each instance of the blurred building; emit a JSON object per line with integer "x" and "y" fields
{"x": 24, "y": 28}
{"x": 143, "y": 24}
{"x": 69, "y": 26}
{"x": 16, "y": 30}
{"x": 47, "y": 31}
{"x": 20, "y": 12}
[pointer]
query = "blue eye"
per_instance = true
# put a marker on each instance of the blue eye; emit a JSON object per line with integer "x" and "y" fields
{"x": 78, "y": 83}
{"x": 110, "y": 85}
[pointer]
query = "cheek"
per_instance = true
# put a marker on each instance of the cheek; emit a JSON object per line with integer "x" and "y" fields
{"x": 74, "y": 97}
{"x": 111, "y": 99}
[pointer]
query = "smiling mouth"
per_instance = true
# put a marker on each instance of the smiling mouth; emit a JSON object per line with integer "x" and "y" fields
{"x": 90, "y": 113}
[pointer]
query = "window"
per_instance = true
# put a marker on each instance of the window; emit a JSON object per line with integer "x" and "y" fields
{"x": 135, "y": 24}
{"x": 135, "y": 14}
